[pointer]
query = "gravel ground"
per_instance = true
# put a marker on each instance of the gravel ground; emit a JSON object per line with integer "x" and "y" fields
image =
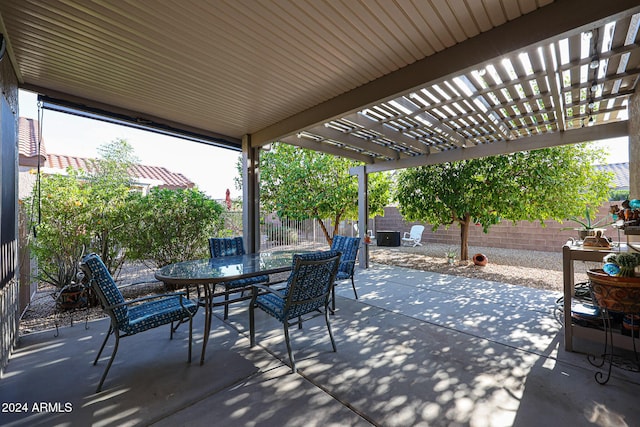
{"x": 536, "y": 269}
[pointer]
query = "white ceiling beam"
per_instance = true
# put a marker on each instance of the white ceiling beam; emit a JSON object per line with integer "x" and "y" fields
{"x": 327, "y": 148}
{"x": 593, "y": 133}
{"x": 354, "y": 141}
{"x": 546, "y": 24}
{"x": 369, "y": 123}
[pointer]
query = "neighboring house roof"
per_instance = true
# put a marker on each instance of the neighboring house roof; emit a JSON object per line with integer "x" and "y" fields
{"x": 28, "y": 143}
{"x": 155, "y": 176}
{"x": 620, "y": 172}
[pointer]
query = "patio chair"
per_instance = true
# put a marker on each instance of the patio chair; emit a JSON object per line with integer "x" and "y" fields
{"x": 414, "y": 235}
{"x": 348, "y": 247}
{"x": 219, "y": 247}
{"x": 305, "y": 296}
{"x": 131, "y": 317}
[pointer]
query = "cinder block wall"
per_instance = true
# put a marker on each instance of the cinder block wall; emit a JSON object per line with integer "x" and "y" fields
{"x": 522, "y": 235}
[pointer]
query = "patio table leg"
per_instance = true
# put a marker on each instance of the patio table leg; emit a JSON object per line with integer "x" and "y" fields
{"x": 207, "y": 318}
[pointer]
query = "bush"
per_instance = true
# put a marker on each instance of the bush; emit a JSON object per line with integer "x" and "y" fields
{"x": 618, "y": 195}
{"x": 60, "y": 227}
{"x": 168, "y": 226}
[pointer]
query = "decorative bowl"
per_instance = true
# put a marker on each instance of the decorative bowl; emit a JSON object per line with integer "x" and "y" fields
{"x": 615, "y": 293}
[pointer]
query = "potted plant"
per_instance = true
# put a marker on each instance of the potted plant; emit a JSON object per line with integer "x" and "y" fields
{"x": 60, "y": 269}
{"x": 621, "y": 264}
{"x": 588, "y": 224}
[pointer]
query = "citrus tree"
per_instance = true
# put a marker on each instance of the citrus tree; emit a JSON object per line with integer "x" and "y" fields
{"x": 551, "y": 183}
{"x": 300, "y": 184}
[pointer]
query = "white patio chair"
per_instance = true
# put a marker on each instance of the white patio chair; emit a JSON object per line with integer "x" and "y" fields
{"x": 414, "y": 236}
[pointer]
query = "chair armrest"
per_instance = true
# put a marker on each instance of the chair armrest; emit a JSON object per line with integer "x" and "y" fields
{"x": 144, "y": 282}
{"x": 279, "y": 282}
{"x": 406, "y": 235}
{"x": 255, "y": 289}
{"x": 146, "y": 298}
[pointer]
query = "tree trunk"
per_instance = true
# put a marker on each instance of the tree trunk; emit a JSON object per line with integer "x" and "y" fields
{"x": 324, "y": 230}
{"x": 336, "y": 225}
{"x": 464, "y": 237}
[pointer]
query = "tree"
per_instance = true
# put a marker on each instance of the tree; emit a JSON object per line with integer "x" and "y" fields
{"x": 110, "y": 183}
{"x": 551, "y": 183}
{"x": 301, "y": 184}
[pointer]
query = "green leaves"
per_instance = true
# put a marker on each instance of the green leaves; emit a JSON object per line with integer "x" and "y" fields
{"x": 62, "y": 234}
{"x": 551, "y": 183}
{"x": 301, "y": 184}
{"x": 98, "y": 212}
{"x": 168, "y": 226}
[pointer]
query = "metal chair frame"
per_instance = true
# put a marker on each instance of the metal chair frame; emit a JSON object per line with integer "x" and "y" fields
{"x": 314, "y": 271}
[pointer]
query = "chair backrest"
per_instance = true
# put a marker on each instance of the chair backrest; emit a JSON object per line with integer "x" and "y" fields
{"x": 225, "y": 246}
{"x": 416, "y": 232}
{"x": 105, "y": 287}
{"x": 309, "y": 284}
{"x": 348, "y": 247}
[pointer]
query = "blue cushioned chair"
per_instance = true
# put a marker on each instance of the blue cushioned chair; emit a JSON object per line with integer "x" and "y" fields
{"x": 219, "y": 247}
{"x": 305, "y": 296}
{"x": 348, "y": 247}
{"x": 130, "y": 317}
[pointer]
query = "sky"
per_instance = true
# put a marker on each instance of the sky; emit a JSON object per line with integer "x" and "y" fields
{"x": 212, "y": 169}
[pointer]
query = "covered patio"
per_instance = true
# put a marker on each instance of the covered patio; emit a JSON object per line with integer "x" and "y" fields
{"x": 417, "y": 348}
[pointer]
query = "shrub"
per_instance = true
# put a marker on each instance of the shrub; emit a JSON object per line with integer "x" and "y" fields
{"x": 618, "y": 195}
{"x": 168, "y": 226}
{"x": 60, "y": 232}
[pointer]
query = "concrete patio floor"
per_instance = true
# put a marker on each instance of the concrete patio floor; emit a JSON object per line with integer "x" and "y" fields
{"x": 417, "y": 349}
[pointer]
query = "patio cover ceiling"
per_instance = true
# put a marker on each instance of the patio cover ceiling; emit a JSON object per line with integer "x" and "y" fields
{"x": 390, "y": 83}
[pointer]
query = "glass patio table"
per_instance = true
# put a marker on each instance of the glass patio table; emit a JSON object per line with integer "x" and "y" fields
{"x": 206, "y": 273}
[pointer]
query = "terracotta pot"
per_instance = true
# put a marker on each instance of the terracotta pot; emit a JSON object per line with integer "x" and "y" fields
{"x": 615, "y": 293}
{"x": 480, "y": 259}
{"x": 68, "y": 299}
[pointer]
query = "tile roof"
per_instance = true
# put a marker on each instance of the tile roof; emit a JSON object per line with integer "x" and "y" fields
{"x": 620, "y": 172}
{"x": 157, "y": 175}
{"x": 28, "y": 148}
{"x": 28, "y": 142}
